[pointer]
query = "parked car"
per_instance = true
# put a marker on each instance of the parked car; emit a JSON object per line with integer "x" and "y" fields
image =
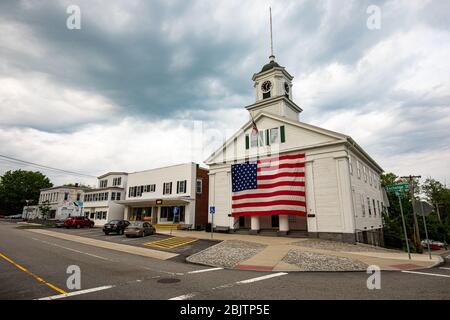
{"x": 139, "y": 229}
{"x": 78, "y": 222}
{"x": 59, "y": 223}
{"x": 434, "y": 245}
{"x": 117, "y": 226}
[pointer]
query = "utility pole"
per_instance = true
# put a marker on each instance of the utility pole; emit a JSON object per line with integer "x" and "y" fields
{"x": 437, "y": 211}
{"x": 413, "y": 200}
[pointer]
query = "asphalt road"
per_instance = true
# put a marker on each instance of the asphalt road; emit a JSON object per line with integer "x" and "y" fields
{"x": 33, "y": 266}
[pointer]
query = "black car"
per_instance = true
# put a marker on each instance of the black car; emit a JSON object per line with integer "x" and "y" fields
{"x": 117, "y": 226}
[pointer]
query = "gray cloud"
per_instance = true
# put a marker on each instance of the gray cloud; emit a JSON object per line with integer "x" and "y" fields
{"x": 160, "y": 61}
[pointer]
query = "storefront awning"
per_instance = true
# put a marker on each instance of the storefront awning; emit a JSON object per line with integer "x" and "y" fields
{"x": 152, "y": 202}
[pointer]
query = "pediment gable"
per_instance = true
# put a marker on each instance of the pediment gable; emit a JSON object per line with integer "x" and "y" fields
{"x": 297, "y": 135}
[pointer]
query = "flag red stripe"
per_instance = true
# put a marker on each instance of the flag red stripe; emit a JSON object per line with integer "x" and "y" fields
{"x": 269, "y": 194}
{"x": 282, "y": 166}
{"x": 269, "y": 203}
{"x": 282, "y": 183}
{"x": 270, "y": 213}
{"x": 285, "y": 157}
{"x": 279, "y": 175}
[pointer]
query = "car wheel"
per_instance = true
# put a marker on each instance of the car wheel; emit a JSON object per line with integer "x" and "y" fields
{"x": 78, "y": 226}
{"x": 122, "y": 232}
{"x": 106, "y": 233}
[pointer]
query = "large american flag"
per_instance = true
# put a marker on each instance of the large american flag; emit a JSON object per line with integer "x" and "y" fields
{"x": 271, "y": 186}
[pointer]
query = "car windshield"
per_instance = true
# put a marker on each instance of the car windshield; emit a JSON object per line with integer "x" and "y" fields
{"x": 114, "y": 221}
{"x": 136, "y": 224}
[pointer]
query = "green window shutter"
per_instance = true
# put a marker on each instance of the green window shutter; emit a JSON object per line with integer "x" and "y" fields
{"x": 267, "y": 137}
{"x": 282, "y": 134}
{"x": 247, "y": 142}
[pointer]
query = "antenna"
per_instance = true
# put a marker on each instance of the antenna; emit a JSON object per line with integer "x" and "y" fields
{"x": 271, "y": 57}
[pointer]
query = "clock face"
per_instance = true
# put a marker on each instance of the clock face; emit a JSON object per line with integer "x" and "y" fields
{"x": 286, "y": 87}
{"x": 266, "y": 86}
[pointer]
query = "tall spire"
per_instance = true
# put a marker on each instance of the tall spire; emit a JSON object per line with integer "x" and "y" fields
{"x": 271, "y": 57}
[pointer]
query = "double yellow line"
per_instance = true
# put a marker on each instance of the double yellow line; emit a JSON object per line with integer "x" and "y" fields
{"x": 39, "y": 279}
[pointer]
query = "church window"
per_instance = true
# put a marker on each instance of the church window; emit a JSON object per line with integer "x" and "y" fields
{"x": 282, "y": 134}
{"x": 274, "y": 136}
{"x": 363, "y": 207}
{"x": 254, "y": 140}
{"x": 358, "y": 169}
{"x": 350, "y": 165}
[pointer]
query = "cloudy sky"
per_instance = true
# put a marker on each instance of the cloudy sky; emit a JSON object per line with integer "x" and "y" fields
{"x": 151, "y": 83}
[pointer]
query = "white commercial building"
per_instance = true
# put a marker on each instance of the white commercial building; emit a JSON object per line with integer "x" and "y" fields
{"x": 60, "y": 202}
{"x": 170, "y": 195}
{"x": 100, "y": 204}
{"x": 340, "y": 181}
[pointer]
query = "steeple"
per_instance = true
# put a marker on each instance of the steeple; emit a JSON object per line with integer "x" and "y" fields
{"x": 271, "y": 57}
{"x": 273, "y": 87}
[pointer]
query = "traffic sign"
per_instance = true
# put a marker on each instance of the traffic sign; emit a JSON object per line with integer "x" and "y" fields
{"x": 397, "y": 187}
{"x": 422, "y": 205}
{"x": 212, "y": 210}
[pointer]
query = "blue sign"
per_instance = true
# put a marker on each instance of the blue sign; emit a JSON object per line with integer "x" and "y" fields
{"x": 212, "y": 210}
{"x": 176, "y": 210}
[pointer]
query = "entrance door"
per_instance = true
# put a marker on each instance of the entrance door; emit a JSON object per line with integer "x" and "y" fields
{"x": 241, "y": 222}
{"x": 275, "y": 221}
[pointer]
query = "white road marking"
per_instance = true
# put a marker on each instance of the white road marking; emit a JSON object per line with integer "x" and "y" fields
{"x": 427, "y": 274}
{"x": 444, "y": 268}
{"x": 262, "y": 278}
{"x": 205, "y": 270}
{"x": 184, "y": 296}
{"x": 229, "y": 285}
{"x": 76, "y": 293}
{"x": 73, "y": 250}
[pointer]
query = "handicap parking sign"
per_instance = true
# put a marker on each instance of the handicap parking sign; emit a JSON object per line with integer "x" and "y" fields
{"x": 212, "y": 210}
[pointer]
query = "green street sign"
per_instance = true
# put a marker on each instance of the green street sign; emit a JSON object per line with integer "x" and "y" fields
{"x": 397, "y": 187}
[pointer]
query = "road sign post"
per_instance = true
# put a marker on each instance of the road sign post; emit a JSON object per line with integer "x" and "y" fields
{"x": 404, "y": 225}
{"x": 397, "y": 188}
{"x": 212, "y": 211}
{"x": 426, "y": 231}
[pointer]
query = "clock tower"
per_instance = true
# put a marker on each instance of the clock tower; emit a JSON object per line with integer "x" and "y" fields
{"x": 273, "y": 89}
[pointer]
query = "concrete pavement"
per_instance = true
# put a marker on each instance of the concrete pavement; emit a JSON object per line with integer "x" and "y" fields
{"x": 112, "y": 274}
{"x": 271, "y": 258}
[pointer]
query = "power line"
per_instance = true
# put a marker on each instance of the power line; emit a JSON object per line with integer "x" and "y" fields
{"x": 15, "y": 160}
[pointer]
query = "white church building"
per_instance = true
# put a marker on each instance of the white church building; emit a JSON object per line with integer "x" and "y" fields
{"x": 340, "y": 191}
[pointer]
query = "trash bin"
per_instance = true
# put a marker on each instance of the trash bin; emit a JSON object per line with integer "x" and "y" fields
{"x": 208, "y": 227}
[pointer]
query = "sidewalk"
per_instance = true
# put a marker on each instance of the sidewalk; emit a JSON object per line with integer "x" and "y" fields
{"x": 248, "y": 252}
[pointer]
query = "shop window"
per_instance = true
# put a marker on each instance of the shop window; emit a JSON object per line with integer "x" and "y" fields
{"x": 181, "y": 186}
{"x": 198, "y": 186}
{"x": 167, "y": 188}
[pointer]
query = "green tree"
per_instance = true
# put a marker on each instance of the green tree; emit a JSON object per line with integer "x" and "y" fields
{"x": 44, "y": 209}
{"x": 18, "y": 186}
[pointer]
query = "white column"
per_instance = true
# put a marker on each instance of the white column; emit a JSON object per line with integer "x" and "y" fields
{"x": 283, "y": 222}
{"x": 255, "y": 223}
{"x": 126, "y": 213}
